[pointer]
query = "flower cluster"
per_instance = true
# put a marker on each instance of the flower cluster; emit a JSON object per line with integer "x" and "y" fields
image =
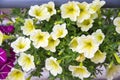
{"x": 73, "y": 39}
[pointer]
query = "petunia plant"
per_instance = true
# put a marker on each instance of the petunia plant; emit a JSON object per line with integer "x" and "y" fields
{"x": 68, "y": 42}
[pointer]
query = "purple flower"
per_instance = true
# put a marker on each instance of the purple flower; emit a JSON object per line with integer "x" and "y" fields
{"x": 3, "y": 56}
{"x": 6, "y": 67}
{"x": 6, "y": 29}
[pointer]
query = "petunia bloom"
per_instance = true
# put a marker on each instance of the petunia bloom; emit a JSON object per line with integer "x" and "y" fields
{"x": 51, "y": 8}
{"x": 3, "y": 56}
{"x": 84, "y": 12}
{"x": 39, "y": 38}
{"x": 70, "y": 10}
{"x": 99, "y": 36}
{"x": 74, "y": 44}
{"x": 6, "y": 29}
{"x": 39, "y": 12}
{"x": 16, "y": 74}
{"x": 112, "y": 72}
{"x": 95, "y": 6}
{"x": 99, "y": 57}
{"x": 53, "y": 66}
{"x": 52, "y": 44}
{"x": 28, "y": 27}
{"x": 7, "y": 66}
{"x": 21, "y": 44}
{"x": 26, "y": 61}
{"x": 1, "y": 38}
{"x": 85, "y": 25}
{"x": 88, "y": 46}
{"x": 59, "y": 31}
{"x": 79, "y": 71}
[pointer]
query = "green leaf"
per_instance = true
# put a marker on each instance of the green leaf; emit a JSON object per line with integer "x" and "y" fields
{"x": 117, "y": 58}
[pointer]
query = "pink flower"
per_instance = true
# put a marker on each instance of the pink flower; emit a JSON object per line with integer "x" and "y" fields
{"x": 3, "y": 56}
{"x": 6, "y": 29}
{"x": 8, "y": 65}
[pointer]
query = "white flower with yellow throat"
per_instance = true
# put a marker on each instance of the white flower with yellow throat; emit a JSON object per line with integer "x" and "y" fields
{"x": 39, "y": 38}
{"x": 99, "y": 36}
{"x": 51, "y": 8}
{"x": 88, "y": 46}
{"x": 74, "y": 44}
{"x": 86, "y": 24}
{"x": 59, "y": 31}
{"x": 39, "y": 12}
{"x": 116, "y": 22}
{"x": 26, "y": 61}
{"x": 99, "y": 57}
{"x": 70, "y": 10}
{"x": 84, "y": 11}
{"x": 53, "y": 66}
{"x": 1, "y": 38}
{"x": 28, "y": 27}
{"x": 16, "y": 74}
{"x": 21, "y": 44}
{"x": 52, "y": 43}
{"x": 79, "y": 71}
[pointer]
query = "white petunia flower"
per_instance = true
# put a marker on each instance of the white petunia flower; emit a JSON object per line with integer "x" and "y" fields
{"x": 21, "y": 44}
{"x": 88, "y": 46}
{"x": 85, "y": 25}
{"x": 39, "y": 12}
{"x": 95, "y": 6}
{"x": 84, "y": 11}
{"x": 52, "y": 44}
{"x": 51, "y": 8}
{"x": 80, "y": 58}
{"x": 94, "y": 16}
{"x": 99, "y": 57}
{"x": 119, "y": 48}
{"x": 113, "y": 71}
{"x": 117, "y": 29}
{"x": 116, "y": 22}
{"x": 74, "y": 44}
{"x": 59, "y": 31}
{"x": 1, "y": 38}
{"x": 99, "y": 36}
{"x": 70, "y": 10}
{"x": 26, "y": 61}
{"x": 28, "y": 27}
{"x": 79, "y": 71}
{"x": 15, "y": 74}
{"x": 39, "y": 38}
{"x": 53, "y": 66}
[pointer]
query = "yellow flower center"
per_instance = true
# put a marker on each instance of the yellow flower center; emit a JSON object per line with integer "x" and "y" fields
{"x": 60, "y": 33}
{"x": 16, "y": 74}
{"x": 29, "y": 26}
{"x": 99, "y": 37}
{"x": 79, "y": 70}
{"x": 37, "y": 12}
{"x": 40, "y": 37}
{"x": 27, "y": 59}
{"x": 51, "y": 42}
{"x": 21, "y": 45}
{"x": 70, "y": 9}
{"x": 54, "y": 65}
{"x": 50, "y": 10}
{"x": 86, "y": 22}
{"x": 88, "y": 45}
